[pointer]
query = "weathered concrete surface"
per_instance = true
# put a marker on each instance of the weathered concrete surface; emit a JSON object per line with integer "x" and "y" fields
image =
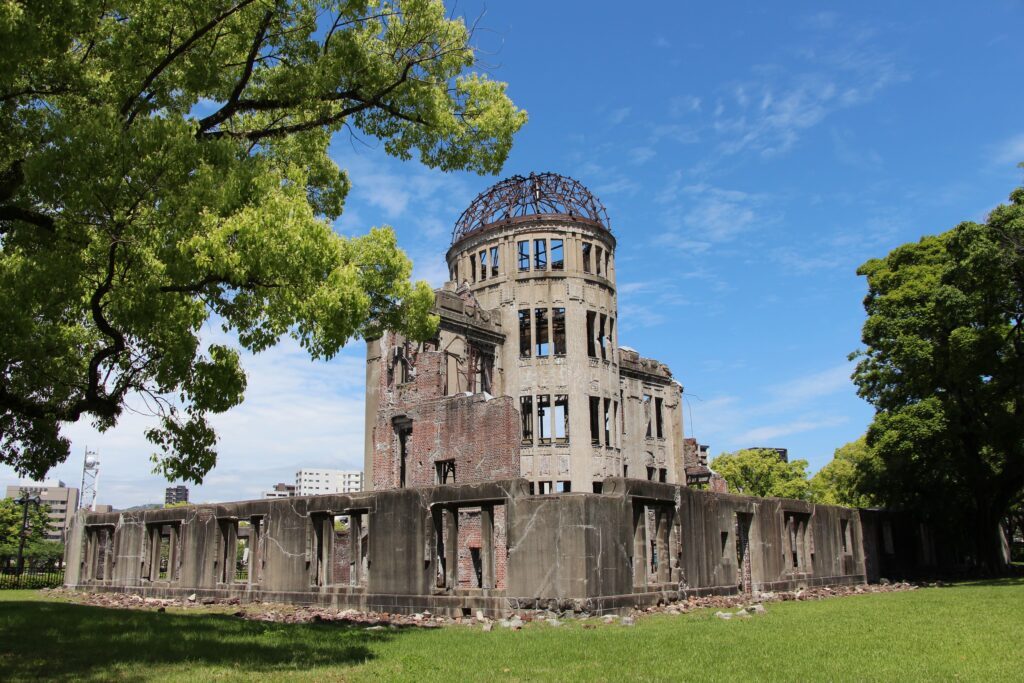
{"x": 637, "y": 543}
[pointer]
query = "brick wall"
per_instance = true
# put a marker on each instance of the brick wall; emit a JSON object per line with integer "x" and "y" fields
{"x": 481, "y": 436}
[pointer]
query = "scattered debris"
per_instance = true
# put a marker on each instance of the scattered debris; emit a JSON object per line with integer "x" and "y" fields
{"x": 741, "y": 606}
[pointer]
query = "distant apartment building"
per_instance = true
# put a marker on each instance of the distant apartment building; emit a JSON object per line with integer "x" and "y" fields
{"x": 175, "y": 494}
{"x": 281, "y": 490}
{"x": 62, "y": 501}
{"x": 310, "y": 482}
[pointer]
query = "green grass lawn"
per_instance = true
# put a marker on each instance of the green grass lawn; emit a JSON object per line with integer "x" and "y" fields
{"x": 972, "y": 631}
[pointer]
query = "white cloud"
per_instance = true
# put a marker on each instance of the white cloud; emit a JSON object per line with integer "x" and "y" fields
{"x": 619, "y": 115}
{"x": 766, "y": 433}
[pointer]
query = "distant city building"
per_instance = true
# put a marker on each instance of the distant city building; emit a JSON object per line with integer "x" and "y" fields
{"x": 175, "y": 494}
{"x": 309, "y": 482}
{"x": 281, "y": 490}
{"x": 63, "y": 503}
{"x": 783, "y": 452}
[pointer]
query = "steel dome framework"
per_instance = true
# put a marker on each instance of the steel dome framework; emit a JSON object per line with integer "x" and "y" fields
{"x": 536, "y": 194}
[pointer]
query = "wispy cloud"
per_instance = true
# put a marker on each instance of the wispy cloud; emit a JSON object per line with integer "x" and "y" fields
{"x": 1009, "y": 152}
{"x": 619, "y": 115}
{"x": 759, "y": 435}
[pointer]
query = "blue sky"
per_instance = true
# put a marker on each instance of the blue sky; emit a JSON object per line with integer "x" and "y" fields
{"x": 750, "y": 158}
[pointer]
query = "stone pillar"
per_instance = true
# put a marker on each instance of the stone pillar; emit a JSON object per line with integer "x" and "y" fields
{"x": 451, "y": 548}
{"x": 487, "y": 545}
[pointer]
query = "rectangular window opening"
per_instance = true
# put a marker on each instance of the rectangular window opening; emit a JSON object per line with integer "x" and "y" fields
{"x": 242, "y": 553}
{"x": 557, "y": 255}
{"x": 564, "y": 486}
{"x": 544, "y": 487}
{"x": 648, "y": 418}
{"x": 650, "y": 473}
{"x": 444, "y": 471}
{"x": 525, "y": 324}
{"x": 595, "y": 420}
{"x": 591, "y": 333}
{"x": 586, "y": 257}
{"x": 608, "y": 422}
{"x": 544, "y": 419}
{"x": 494, "y": 261}
{"x": 562, "y": 418}
{"x": 558, "y": 330}
{"x": 526, "y": 412}
{"x": 472, "y": 265}
{"x": 659, "y": 418}
{"x": 600, "y": 335}
{"x": 598, "y": 486}
{"x": 524, "y": 255}
{"x": 540, "y": 254}
{"x": 663, "y": 475}
{"x": 483, "y": 264}
{"x": 542, "y": 339}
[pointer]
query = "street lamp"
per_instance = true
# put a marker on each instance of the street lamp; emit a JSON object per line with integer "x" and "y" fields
{"x": 25, "y": 500}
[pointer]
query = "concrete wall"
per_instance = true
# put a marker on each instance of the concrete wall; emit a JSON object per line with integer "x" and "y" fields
{"x": 410, "y": 549}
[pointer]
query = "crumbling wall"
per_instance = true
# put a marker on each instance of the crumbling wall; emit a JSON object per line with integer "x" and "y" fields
{"x": 490, "y": 546}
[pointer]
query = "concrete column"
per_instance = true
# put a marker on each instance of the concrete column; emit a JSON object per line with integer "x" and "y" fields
{"x": 172, "y": 553}
{"x": 254, "y": 551}
{"x": 639, "y": 546}
{"x": 487, "y": 545}
{"x": 451, "y": 548}
{"x": 355, "y": 555}
{"x": 664, "y": 556}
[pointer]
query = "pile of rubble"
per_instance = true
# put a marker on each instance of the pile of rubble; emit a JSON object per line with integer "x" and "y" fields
{"x": 744, "y": 606}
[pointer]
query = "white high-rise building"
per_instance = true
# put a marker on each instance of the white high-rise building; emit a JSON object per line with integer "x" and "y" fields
{"x": 310, "y": 482}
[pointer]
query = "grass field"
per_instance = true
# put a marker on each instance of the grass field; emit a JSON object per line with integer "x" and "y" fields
{"x": 971, "y": 631}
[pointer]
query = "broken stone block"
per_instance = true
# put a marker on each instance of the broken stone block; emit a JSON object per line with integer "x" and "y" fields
{"x": 723, "y": 615}
{"x": 554, "y": 622}
{"x": 488, "y": 627}
{"x": 192, "y": 598}
{"x": 758, "y": 609}
{"x": 609, "y": 618}
{"x": 742, "y": 613}
{"x": 627, "y": 621}
{"x": 480, "y": 615}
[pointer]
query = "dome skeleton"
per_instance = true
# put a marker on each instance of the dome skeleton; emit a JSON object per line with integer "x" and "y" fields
{"x": 536, "y": 194}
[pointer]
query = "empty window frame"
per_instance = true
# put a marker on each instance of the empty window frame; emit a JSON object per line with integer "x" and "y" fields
{"x": 526, "y": 412}
{"x": 597, "y": 260}
{"x": 482, "y": 369}
{"x": 524, "y": 255}
{"x": 444, "y": 471}
{"x": 544, "y": 487}
{"x": 525, "y": 324}
{"x": 472, "y": 265}
{"x": 648, "y": 418}
{"x": 650, "y": 473}
{"x": 403, "y": 433}
{"x": 544, "y": 419}
{"x": 454, "y": 272}
{"x": 602, "y": 321}
{"x": 483, "y": 264}
{"x": 607, "y": 262}
{"x": 663, "y": 475}
{"x": 557, "y": 255}
{"x": 608, "y": 422}
{"x": 586, "y": 257}
{"x": 611, "y": 337}
{"x": 540, "y": 254}
{"x": 558, "y": 330}
{"x": 494, "y": 262}
{"x": 561, "y": 418}
{"x": 659, "y": 420}
{"x": 595, "y": 420}
{"x": 564, "y": 487}
{"x": 543, "y": 344}
{"x": 591, "y": 334}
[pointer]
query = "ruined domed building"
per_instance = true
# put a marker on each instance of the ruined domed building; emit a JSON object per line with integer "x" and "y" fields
{"x": 529, "y": 323}
{"x": 519, "y": 459}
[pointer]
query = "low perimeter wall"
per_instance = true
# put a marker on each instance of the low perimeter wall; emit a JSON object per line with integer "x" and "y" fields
{"x": 462, "y": 548}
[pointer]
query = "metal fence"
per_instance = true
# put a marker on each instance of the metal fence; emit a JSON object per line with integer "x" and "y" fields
{"x": 31, "y": 578}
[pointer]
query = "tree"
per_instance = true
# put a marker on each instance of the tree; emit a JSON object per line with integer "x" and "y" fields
{"x": 943, "y": 365}
{"x": 848, "y": 478}
{"x": 11, "y": 517}
{"x": 761, "y": 472}
{"x": 165, "y": 163}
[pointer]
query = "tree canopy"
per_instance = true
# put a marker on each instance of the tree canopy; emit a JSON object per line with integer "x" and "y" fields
{"x": 943, "y": 365}
{"x": 162, "y": 163}
{"x": 848, "y": 478}
{"x": 762, "y": 472}
{"x": 11, "y": 515}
